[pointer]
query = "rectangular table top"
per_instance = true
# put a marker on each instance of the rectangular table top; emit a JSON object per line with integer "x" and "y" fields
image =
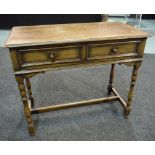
{"x": 71, "y": 33}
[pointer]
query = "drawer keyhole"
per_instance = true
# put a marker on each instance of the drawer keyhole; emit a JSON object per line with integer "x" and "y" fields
{"x": 114, "y": 51}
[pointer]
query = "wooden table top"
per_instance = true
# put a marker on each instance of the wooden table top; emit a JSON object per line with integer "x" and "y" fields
{"x": 70, "y": 33}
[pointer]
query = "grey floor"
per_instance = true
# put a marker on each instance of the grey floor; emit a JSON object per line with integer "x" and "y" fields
{"x": 98, "y": 122}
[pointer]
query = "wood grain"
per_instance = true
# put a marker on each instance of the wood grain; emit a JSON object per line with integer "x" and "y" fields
{"x": 75, "y": 104}
{"x": 69, "y": 33}
{"x": 27, "y": 110}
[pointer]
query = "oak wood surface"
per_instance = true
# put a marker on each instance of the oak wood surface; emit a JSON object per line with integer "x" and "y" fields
{"x": 70, "y": 33}
{"x": 26, "y": 72}
{"x": 75, "y": 104}
{"x": 50, "y": 55}
{"x": 27, "y": 110}
{"x": 112, "y": 49}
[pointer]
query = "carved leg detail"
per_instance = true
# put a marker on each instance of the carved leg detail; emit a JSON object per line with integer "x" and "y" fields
{"x": 110, "y": 86}
{"x": 21, "y": 86}
{"x": 131, "y": 90}
{"x": 28, "y": 84}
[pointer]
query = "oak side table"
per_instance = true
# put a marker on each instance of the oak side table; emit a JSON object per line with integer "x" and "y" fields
{"x": 41, "y": 48}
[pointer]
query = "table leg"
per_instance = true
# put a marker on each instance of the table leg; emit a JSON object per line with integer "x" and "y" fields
{"x": 110, "y": 85}
{"x": 28, "y": 85}
{"x": 131, "y": 90}
{"x": 27, "y": 111}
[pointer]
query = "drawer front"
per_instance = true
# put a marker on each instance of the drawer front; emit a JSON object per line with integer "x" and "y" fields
{"x": 110, "y": 50}
{"x": 44, "y": 56}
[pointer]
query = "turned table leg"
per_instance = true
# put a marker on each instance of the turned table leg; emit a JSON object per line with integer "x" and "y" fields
{"x": 131, "y": 90}
{"x": 28, "y": 85}
{"x": 27, "y": 111}
{"x": 110, "y": 85}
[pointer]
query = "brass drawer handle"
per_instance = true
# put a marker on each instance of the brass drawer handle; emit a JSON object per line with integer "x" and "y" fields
{"x": 52, "y": 57}
{"x": 114, "y": 50}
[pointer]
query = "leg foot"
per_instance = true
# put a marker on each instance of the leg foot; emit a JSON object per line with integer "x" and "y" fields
{"x": 126, "y": 112}
{"x": 31, "y": 131}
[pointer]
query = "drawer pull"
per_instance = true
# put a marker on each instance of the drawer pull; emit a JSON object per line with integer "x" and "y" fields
{"x": 52, "y": 57}
{"x": 114, "y": 51}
